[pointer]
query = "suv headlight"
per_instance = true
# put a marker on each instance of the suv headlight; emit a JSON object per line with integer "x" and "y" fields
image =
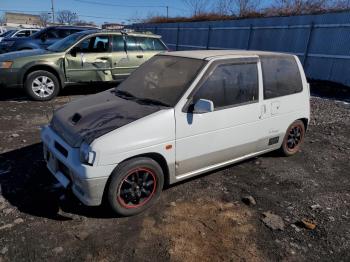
{"x": 87, "y": 156}
{"x": 7, "y": 43}
{"x": 6, "y": 64}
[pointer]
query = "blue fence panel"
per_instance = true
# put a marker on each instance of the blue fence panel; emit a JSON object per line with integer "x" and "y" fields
{"x": 322, "y": 42}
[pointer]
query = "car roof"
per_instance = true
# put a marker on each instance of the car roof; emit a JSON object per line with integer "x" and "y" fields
{"x": 71, "y": 27}
{"x": 212, "y": 54}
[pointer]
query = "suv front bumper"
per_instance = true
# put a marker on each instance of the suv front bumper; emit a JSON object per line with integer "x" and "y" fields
{"x": 10, "y": 77}
{"x": 87, "y": 182}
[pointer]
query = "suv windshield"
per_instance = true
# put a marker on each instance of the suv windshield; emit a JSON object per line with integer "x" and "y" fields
{"x": 8, "y": 33}
{"x": 163, "y": 79}
{"x": 63, "y": 44}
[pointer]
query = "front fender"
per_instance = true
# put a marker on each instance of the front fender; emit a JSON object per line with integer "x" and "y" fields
{"x": 41, "y": 65}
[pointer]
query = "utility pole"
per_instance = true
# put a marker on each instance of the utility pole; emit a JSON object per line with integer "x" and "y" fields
{"x": 53, "y": 12}
{"x": 167, "y": 12}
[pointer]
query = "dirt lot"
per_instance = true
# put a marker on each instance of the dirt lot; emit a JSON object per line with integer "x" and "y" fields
{"x": 203, "y": 219}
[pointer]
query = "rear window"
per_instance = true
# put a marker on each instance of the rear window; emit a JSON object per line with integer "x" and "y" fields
{"x": 281, "y": 76}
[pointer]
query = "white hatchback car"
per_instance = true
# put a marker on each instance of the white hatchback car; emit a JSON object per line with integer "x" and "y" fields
{"x": 179, "y": 115}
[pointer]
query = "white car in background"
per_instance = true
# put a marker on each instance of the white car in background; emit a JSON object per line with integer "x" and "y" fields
{"x": 18, "y": 33}
{"x": 178, "y": 115}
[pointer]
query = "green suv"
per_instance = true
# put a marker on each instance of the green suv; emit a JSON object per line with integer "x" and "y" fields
{"x": 84, "y": 57}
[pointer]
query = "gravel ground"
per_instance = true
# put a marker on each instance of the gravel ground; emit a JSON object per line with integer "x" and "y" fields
{"x": 203, "y": 219}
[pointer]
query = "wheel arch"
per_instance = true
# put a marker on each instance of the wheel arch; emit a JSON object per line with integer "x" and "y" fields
{"x": 305, "y": 122}
{"x": 45, "y": 67}
{"x": 152, "y": 155}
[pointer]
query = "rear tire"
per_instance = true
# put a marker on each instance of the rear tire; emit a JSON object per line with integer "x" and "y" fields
{"x": 135, "y": 185}
{"x": 42, "y": 85}
{"x": 293, "y": 138}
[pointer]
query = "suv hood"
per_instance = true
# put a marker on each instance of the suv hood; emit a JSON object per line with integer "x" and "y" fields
{"x": 24, "y": 53}
{"x": 91, "y": 117}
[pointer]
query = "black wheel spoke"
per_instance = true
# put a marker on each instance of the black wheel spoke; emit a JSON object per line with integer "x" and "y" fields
{"x": 137, "y": 188}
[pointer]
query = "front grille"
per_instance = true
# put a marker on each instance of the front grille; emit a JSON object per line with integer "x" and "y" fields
{"x": 61, "y": 149}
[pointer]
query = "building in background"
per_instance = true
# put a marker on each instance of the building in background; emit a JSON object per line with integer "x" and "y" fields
{"x": 22, "y": 20}
{"x": 112, "y": 26}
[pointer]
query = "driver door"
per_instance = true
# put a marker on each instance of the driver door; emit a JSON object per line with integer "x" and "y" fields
{"x": 90, "y": 60}
{"x": 204, "y": 140}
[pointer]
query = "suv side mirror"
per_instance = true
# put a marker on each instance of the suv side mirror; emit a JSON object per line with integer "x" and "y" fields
{"x": 203, "y": 106}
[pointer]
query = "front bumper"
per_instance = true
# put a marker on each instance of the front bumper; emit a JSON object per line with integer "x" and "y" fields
{"x": 10, "y": 77}
{"x": 87, "y": 182}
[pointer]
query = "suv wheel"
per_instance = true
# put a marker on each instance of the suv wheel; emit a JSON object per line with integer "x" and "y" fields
{"x": 293, "y": 138}
{"x": 42, "y": 85}
{"x": 135, "y": 186}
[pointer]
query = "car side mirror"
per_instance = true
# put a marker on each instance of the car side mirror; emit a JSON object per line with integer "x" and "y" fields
{"x": 43, "y": 37}
{"x": 203, "y": 106}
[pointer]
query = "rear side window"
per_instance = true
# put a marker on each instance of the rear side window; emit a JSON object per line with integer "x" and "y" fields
{"x": 281, "y": 76}
{"x": 132, "y": 44}
{"x": 23, "y": 33}
{"x": 118, "y": 43}
{"x": 150, "y": 44}
{"x": 230, "y": 85}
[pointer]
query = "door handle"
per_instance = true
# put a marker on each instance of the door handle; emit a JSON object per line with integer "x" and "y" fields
{"x": 139, "y": 56}
{"x": 103, "y": 58}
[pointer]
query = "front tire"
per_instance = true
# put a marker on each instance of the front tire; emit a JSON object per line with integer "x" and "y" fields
{"x": 293, "y": 138}
{"x": 42, "y": 85}
{"x": 135, "y": 185}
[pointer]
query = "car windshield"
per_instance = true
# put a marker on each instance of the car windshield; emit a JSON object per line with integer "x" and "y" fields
{"x": 163, "y": 79}
{"x": 8, "y": 33}
{"x": 63, "y": 44}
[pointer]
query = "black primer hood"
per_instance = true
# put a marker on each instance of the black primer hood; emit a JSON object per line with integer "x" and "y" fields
{"x": 89, "y": 118}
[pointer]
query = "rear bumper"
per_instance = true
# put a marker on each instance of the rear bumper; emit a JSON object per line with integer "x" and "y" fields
{"x": 87, "y": 182}
{"x": 10, "y": 78}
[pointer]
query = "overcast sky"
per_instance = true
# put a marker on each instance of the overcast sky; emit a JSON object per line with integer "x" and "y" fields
{"x": 100, "y": 11}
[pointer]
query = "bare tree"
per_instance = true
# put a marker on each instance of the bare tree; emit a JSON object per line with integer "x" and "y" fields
{"x": 237, "y": 7}
{"x": 66, "y": 17}
{"x": 339, "y": 4}
{"x": 244, "y": 7}
{"x": 84, "y": 23}
{"x": 297, "y": 7}
{"x": 223, "y": 7}
{"x": 197, "y": 7}
{"x": 44, "y": 19}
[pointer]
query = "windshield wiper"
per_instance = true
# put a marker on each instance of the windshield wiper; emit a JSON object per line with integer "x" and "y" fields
{"x": 127, "y": 95}
{"x": 153, "y": 102}
{"x": 124, "y": 94}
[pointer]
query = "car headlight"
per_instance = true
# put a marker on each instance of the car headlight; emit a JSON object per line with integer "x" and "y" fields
{"x": 87, "y": 156}
{"x": 6, "y": 64}
{"x": 7, "y": 43}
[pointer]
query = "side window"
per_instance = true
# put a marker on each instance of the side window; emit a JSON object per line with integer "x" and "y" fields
{"x": 64, "y": 33}
{"x": 52, "y": 33}
{"x": 132, "y": 44}
{"x": 230, "y": 84}
{"x": 23, "y": 33}
{"x": 96, "y": 44}
{"x": 281, "y": 76}
{"x": 150, "y": 44}
{"x": 118, "y": 43}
